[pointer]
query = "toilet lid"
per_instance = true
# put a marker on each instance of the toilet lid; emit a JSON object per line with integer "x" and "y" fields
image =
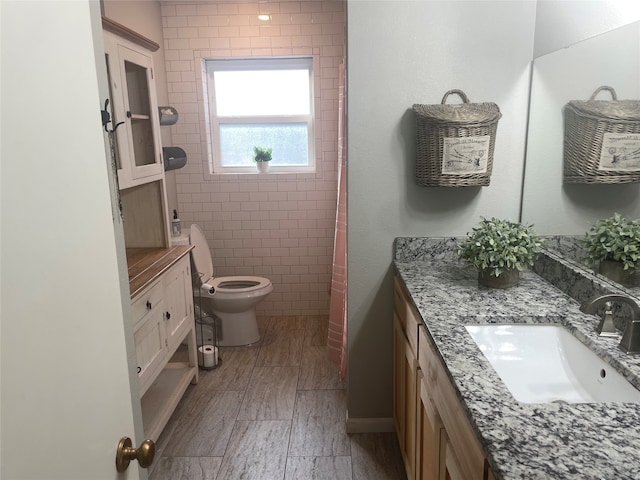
{"x": 201, "y": 253}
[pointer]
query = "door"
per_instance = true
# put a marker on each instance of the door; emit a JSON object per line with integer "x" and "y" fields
{"x": 68, "y": 393}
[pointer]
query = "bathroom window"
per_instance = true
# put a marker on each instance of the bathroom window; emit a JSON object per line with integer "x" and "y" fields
{"x": 264, "y": 102}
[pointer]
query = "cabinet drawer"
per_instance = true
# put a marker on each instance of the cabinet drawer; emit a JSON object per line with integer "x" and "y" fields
{"x": 408, "y": 316}
{"x": 145, "y": 302}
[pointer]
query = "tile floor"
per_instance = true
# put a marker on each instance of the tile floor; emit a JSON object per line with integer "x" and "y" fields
{"x": 272, "y": 411}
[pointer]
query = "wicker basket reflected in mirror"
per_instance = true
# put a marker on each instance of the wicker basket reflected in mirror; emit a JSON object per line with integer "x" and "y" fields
{"x": 602, "y": 140}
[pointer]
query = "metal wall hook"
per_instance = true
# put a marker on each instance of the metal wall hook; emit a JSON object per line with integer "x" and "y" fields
{"x": 106, "y": 118}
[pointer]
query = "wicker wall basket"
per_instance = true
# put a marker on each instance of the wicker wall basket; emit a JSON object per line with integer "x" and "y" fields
{"x": 455, "y": 143}
{"x": 602, "y": 140}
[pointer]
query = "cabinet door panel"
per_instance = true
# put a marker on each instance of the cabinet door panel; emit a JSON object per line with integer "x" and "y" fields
{"x": 410, "y": 420}
{"x": 398, "y": 379}
{"x": 151, "y": 347}
{"x": 405, "y": 397}
{"x": 178, "y": 302}
{"x": 428, "y": 431}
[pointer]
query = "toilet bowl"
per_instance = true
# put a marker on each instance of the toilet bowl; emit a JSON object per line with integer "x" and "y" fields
{"x": 232, "y": 299}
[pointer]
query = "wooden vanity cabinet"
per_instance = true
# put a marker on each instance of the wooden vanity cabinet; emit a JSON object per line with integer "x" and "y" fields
{"x": 435, "y": 436}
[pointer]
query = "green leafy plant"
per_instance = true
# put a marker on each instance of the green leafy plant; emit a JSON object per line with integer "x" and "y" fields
{"x": 262, "y": 154}
{"x": 498, "y": 245}
{"x": 616, "y": 239}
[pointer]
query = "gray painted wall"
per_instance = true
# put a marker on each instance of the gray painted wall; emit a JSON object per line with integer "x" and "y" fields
{"x": 401, "y": 53}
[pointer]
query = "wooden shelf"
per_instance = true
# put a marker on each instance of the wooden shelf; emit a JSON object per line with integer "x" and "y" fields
{"x": 163, "y": 396}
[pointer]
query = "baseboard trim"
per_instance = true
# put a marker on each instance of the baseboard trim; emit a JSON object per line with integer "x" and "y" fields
{"x": 370, "y": 425}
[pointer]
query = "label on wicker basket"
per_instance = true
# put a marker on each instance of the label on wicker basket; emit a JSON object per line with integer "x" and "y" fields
{"x": 620, "y": 152}
{"x": 465, "y": 155}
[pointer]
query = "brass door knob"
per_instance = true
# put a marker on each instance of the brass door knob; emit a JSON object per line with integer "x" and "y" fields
{"x": 144, "y": 454}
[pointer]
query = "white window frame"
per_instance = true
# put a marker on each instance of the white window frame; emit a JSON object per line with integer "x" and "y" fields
{"x": 258, "y": 63}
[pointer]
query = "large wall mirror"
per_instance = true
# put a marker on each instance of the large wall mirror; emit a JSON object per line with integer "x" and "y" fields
{"x": 574, "y": 73}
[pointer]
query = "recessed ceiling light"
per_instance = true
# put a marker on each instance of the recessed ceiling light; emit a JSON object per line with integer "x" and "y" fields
{"x": 264, "y": 18}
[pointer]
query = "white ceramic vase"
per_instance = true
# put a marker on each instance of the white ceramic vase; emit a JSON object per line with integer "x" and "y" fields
{"x": 263, "y": 167}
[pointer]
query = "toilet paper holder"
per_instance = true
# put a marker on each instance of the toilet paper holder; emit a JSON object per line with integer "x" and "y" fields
{"x": 208, "y": 357}
{"x": 208, "y": 352}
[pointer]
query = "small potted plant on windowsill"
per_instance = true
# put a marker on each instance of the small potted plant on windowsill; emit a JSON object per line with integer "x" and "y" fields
{"x": 262, "y": 157}
{"x": 500, "y": 249}
{"x": 614, "y": 245}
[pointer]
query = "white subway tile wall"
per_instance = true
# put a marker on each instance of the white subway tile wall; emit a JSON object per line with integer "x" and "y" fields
{"x": 280, "y": 226}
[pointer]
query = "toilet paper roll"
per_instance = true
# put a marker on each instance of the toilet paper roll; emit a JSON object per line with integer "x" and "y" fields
{"x": 208, "y": 356}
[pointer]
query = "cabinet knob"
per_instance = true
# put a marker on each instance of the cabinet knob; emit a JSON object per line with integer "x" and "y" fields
{"x": 149, "y": 306}
{"x": 168, "y": 315}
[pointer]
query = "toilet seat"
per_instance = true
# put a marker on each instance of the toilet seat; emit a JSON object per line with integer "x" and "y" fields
{"x": 240, "y": 284}
{"x": 237, "y": 284}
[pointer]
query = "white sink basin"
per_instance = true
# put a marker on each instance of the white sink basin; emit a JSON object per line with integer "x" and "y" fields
{"x": 546, "y": 363}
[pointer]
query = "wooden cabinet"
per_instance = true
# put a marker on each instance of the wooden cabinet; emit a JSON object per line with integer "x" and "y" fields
{"x": 163, "y": 320}
{"x": 134, "y": 111}
{"x": 435, "y": 436}
{"x": 159, "y": 275}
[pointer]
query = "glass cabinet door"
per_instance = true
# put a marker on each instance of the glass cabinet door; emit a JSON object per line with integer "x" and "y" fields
{"x": 141, "y": 153}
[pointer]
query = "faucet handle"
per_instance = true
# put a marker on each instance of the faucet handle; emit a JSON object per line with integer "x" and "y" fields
{"x": 630, "y": 342}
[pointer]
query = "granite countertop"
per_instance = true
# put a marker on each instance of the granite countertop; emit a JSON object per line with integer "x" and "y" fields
{"x": 524, "y": 441}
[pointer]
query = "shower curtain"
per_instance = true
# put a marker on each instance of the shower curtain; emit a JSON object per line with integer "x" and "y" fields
{"x": 337, "y": 336}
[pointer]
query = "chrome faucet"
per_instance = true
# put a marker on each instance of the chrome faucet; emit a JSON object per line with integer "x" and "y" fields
{"x": 630, "y": 342}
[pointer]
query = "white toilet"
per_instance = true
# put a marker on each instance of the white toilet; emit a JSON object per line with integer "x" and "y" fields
{"x": 233, "y": 300}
